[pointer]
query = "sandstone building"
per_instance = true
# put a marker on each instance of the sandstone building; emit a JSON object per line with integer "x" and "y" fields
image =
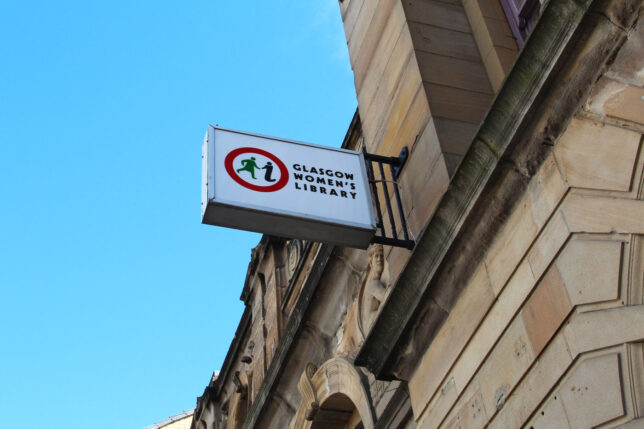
{"x": 178, "y": 421}
{"x": 522, "y": 302}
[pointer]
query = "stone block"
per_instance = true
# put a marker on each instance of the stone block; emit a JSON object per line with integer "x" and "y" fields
{"x": 627, "y": 104}
{"x": 272, "y": 340}
{"x": 543, "y": 375}
{"x": 603, "y": 215}
{"x": 629, "y": 64}
{"x": 494, "y": 38}
{"x": 593, "y": 155}
{"x": 437, "y": 13}
{"x": 396, "y": 61}
{"x": 617, "y": 99}
{"x": 426, "y": 202}
{"x": 438, "y": 407}
{"x": 501, "y": 35}
{"x": 452, "y": 161}
{"x": 592, "y": 394}
{"x": 507, "y": 57}
{"x": 479, "y": 30}
{"x": 633, "y": 424}
{"x": 441, "y": 41}
{"x": 494, "y": 69}
{"x": 470, "y": 415}
{"x": 505, "y": 366}
{"x": 551, "y": 416}
{"x": 396, "y": 261}
{"x": 423, "y": 155}
{"x": 406, "y": 119}
{"x": 590, "y": 270}
{"x": 604, "y": 89}
{"x": 355, "y": 41}
{"x": 453, "y": 72}
{"x": 258, "y": 367}
{"x": 489, "y": 8}
{"x": 546, "y": 309}
{"x": 271, "y": 316}
{"x": 350, "y": 17}
{"x": 450, "y": 340}
{"x": 456, "y": 103}
{"x": 511, "y": 244}
{"x": 545, "y": 191}
{"x": 371, "y": 60}
{"x": 496, "y": 321}
{"x": 423, "y": 180}
{"x": 455, "y": 136}
{"x": 401, "y": 70}
{"x": 634, "y": 282}
{"x": 547, "y": 245}
{"x": 344, "y": 6}
{"x": 604, "y": 328}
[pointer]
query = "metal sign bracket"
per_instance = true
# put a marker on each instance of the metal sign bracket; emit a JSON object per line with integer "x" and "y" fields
{"x": 384, "y": 185}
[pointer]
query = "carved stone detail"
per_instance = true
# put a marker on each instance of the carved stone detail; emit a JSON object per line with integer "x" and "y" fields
{"x": 294, "y": 251}
{"x": 373, "y": 291}
{"x": 240, "y": 387}
{"x": 308, "y": 392}
{"x": 335, "y": 376}
{"x": 365, "y": 308}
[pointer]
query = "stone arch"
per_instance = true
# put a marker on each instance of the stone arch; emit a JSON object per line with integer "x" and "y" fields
{"x": 337, "y": 380}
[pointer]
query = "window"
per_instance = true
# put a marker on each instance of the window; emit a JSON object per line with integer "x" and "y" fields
{"x": 522, "y": 15}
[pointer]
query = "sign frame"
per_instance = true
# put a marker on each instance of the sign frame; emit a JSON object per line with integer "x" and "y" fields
{"x": 282, "y": 223}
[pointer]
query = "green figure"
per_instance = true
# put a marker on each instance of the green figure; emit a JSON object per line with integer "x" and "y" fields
{"x": 249, "y": 165}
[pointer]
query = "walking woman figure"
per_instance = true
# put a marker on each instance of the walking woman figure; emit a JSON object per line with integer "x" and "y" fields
{"x": 249, "y": 165}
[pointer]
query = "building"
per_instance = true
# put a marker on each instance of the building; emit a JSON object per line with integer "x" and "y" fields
{"x": 178, "y": 421}
{"x": 522, "y": 302}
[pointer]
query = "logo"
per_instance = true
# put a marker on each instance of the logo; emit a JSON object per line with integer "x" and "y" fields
{"x": 256, "y": 169}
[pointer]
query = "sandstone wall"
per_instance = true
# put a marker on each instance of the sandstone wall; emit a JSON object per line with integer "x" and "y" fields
{"x": 548, "y": 332}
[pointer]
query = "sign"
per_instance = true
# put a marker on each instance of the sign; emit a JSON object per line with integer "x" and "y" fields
{"x": 285, "y": 188}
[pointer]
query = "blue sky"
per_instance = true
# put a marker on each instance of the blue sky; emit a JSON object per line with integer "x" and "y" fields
{"x": 116, "y": 304}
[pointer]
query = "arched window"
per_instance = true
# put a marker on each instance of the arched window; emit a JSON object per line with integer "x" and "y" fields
{"x": 333, "y": 396}
{"x": 337, "y": 412}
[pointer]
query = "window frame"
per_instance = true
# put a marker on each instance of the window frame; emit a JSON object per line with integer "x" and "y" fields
{"x": 520, "y": 17}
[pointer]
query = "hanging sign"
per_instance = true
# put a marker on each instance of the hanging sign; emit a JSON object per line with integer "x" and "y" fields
{"x": 285, "y": 188}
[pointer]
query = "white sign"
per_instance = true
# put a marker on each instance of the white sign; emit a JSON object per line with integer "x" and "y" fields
{"x": 285, "y": 188}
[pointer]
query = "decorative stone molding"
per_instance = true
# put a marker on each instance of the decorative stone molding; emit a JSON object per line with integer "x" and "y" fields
{"x": 335, "y": 376}
{"x": 294, "y": 250}
{"x": 308, "y": 392}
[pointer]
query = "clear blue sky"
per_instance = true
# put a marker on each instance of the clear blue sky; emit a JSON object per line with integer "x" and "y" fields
{"x": 116, "y": 304}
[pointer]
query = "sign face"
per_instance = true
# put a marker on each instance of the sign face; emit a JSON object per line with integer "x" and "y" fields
{"x": 285, "y": 188}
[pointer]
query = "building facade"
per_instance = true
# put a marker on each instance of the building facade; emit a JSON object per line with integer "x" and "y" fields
{"x": 522, "y": 302}
{"x": 178, "y": 421}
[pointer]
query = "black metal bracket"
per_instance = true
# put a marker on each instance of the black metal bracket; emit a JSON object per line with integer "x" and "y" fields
{"x": 395, "y": 166}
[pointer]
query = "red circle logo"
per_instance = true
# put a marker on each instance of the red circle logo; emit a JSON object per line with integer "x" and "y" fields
{"x": 249, "y": 166}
